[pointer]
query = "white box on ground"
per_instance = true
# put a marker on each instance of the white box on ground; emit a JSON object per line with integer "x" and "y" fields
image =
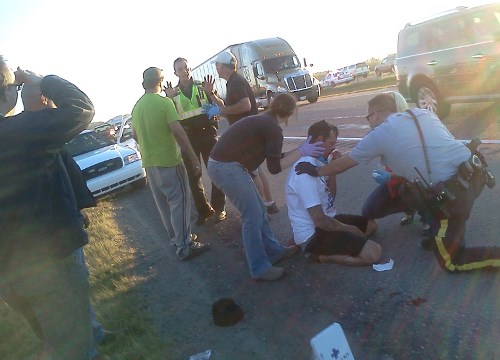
{"x": 331, "y": 343}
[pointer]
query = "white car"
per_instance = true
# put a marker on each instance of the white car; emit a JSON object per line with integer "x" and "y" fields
{"x": 105, "y": 164}
{"x": 335, "y": 78}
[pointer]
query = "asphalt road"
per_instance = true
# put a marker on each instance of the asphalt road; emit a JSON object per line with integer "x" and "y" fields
{"x": 414, "y": 311}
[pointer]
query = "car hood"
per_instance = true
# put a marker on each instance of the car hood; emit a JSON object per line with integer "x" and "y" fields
{"x": 103, "y": 154}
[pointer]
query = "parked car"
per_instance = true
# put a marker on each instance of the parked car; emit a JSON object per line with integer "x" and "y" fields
{"x": 386, "y": 66}
{"x": 335, "y": 78}
{"x": 451, "y": 58}
{"x": 358, "y": 69}
{"x": 106, "y": 165}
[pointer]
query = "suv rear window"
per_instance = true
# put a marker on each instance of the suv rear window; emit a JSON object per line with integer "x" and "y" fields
{"x": 448, "y": 33}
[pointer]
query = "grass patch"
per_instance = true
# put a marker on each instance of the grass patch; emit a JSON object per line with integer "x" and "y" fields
{"x": 361, "y": 84}
{"x": 113, "y": 289}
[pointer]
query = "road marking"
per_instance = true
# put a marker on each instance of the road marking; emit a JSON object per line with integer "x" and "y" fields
{"x": 358, "y": 139}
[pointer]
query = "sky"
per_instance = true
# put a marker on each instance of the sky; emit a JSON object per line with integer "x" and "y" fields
{"x": 103, "y": 46}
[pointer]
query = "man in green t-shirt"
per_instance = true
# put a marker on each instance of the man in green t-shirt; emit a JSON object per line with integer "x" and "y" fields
{"x": 157, "y": 129}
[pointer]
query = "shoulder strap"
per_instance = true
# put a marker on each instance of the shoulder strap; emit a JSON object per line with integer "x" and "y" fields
{"x": 422, "y": 140}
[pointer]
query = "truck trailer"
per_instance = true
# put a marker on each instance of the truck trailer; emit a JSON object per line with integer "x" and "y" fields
{"x": 270, "y": 67}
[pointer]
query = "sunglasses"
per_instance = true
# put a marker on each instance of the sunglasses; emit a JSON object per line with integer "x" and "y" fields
{"x": 367, "y": 117}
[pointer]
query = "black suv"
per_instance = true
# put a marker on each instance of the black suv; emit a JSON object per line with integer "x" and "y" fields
{"x": 451, "y": 58}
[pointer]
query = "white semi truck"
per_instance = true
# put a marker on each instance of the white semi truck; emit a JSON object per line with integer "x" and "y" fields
{"x": 270, "y": 67}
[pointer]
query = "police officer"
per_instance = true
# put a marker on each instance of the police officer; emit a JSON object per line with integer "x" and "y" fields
{"x": 189, "y": 97}
{"x": 443, "y": 176}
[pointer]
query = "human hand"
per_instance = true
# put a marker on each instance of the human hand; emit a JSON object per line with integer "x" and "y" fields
{"x": 308, "y": 149}
{"x": 211, "y": 110}
{"x": 195, "y": 164}
{"x": 305, "y": 167}
{"x": 169, "y": 90}
{"x": 336, "y": 154}
{"x": 28, "y": 77}
{"x": 208, "y": 84}
{"x": 381, "y": 176}
{"x": 86, "y": 219}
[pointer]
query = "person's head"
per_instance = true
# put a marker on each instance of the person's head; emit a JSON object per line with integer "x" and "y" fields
{"x": 152, "y": 79}
{"x": 33, "y": 100}
{"x": 323, "y": 131}
{"x": 379, "y": 108}
{"x": 225, "y": 63}
{"x": 282, "y": 107}
{"x": 181, "y": 69}
{"x": 8, "y": 88}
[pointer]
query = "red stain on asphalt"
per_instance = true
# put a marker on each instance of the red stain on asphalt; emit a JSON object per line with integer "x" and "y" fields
{"x": 416, "y": 302}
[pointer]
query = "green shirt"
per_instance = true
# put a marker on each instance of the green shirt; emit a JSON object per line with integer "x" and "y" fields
{"x": 151, "y": 117}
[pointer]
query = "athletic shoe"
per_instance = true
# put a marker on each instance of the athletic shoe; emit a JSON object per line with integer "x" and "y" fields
{"x": 273, "y": 273}
{"x": 196, "y": 248}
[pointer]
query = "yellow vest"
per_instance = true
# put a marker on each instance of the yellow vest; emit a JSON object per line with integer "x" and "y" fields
{"x": 188, "y": 108}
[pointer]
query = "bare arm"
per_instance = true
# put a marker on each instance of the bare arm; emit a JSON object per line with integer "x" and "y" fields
{"x": 289, "y": 158}
{"x": 216, "y": 100}
{"x": 183, "y": 141}
{"x": 328, "y": 224}
{"x": 337, "y": 166}
{"x": 240, "y": 107}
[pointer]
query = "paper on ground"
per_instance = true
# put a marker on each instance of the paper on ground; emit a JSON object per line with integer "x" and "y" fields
{"x": 384, "y": 267}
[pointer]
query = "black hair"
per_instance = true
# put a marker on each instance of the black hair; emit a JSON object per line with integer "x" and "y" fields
{"x": 322, "y": 128}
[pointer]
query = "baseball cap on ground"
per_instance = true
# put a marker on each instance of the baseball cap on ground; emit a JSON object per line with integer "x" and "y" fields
{"x": 151, "y": 76}
{"x": 226, "y": 312}
{"x": 225, "y": 57}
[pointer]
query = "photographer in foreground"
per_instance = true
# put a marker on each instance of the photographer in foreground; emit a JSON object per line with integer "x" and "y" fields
{"x": 444, "y": 176}
{"x": 39, "y": 215}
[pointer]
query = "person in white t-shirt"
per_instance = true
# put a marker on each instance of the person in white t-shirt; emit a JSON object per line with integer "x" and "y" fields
{"x": 444, "y": 177}
{"x": 324, "y": 235}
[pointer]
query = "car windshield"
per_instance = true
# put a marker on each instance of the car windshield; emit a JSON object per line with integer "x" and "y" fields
{"x": 280, "y": 63}
{"x": 87, "y": 142}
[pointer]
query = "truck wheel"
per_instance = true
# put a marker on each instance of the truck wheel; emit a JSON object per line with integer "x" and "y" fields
{"x": 426, "y": 96}
{"x": 313, "y": 98}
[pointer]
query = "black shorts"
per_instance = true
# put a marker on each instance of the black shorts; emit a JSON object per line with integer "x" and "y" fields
{"x": 339, "y": 242}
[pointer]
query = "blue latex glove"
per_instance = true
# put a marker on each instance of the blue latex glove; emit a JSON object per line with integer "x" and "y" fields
{"x": 211, "y": 110}
{"x": 381, "y": 176}
{"x": 314, "y": 150}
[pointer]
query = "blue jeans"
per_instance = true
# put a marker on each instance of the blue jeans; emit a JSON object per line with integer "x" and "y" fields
{"x": 53, "y": 295}
{"x": 261, "y": 247}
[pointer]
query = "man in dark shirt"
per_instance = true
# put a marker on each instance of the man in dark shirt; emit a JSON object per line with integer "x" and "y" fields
{"x": 39, "y": 216}
{"x": 240, "y": 100}
{"x": 239, "y": 103}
